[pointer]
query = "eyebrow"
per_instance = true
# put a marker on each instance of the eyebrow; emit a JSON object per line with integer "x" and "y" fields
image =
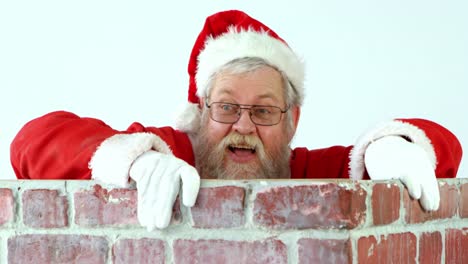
{"x": 225, "y": 91}
{"x": 266, "y": 95}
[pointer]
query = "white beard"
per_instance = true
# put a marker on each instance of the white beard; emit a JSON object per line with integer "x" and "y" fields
{"x": 212, "y": 162}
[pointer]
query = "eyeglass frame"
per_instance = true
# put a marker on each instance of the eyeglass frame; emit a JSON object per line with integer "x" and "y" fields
{"x": 242, "y": 107}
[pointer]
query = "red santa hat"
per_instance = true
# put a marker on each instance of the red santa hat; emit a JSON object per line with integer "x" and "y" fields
{"x": 227, "y": 36}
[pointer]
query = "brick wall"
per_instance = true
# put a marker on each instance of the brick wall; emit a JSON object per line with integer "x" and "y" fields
{"x": 274, "y": 221}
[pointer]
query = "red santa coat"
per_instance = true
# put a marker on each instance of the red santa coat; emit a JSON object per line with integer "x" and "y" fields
{"x": 62, "y": 145}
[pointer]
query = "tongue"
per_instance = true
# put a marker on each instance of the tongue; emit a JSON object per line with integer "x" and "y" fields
{"x": 242, "y": 152}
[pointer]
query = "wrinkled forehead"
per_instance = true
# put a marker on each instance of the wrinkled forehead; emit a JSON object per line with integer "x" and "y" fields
{"x": 260, "y": 82}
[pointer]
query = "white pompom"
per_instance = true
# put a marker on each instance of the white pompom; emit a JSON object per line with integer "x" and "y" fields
{"x": 189, "y": 119}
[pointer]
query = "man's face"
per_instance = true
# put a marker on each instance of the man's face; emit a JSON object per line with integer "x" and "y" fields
{"x": 244, "y": 150}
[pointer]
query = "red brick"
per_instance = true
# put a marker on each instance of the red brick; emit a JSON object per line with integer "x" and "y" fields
{"x": 385, "y": 203}
{"x": 447, "y": 209}
{"x": 117, "y": 207}
{"x": 219, "y": 207}
{"x": 430, "y": 248}
{"x": 464, "y": 200}
{"x": 311, "y": 206}
{"x": 57, "y": 249}
{"x": 324, "y": 251}
{"x": 456, "y": 243}
{"x": 7, "y": 206}
{"x": 145, "y": 250}
{"x": 224, "y": 251}
{"x": 44, "y": 209}
{"x": 102, "y": 207}
{"x": 394, "y": 248}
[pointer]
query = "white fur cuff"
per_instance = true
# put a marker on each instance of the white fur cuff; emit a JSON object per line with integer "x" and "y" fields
{"x": 112, "y": 160}
{"x": 392, "y": 128}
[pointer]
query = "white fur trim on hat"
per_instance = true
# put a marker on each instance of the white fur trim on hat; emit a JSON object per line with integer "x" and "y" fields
{"x": 112, "y": 160}
{"x": 392, "y": 128}
{"x": 236, "y": 44}
{"x": 189, "y": 119}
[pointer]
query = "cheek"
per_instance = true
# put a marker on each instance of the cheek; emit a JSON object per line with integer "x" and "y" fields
{"x": 217, "y": 131}
{"x": 272, "y": 136}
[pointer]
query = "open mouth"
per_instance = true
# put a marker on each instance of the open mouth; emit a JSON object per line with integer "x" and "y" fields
{"x": 238, "y": 149}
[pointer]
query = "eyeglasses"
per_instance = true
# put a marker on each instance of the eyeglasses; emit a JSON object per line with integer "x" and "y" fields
{"x": 227, "y": 113}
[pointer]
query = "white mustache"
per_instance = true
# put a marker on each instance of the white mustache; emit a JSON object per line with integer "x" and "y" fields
{"x": 245, "y": 141}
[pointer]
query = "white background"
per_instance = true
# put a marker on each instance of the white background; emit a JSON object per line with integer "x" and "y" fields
{"x": 125, "y": 61}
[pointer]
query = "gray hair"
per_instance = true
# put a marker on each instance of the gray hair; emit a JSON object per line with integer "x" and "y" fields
{"x": 249, "y": 64}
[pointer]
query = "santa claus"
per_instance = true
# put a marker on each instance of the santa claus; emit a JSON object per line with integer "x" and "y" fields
{"x": 245, "y": 95}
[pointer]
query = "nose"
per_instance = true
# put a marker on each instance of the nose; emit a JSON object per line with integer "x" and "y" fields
{"x": 244, "y": 125}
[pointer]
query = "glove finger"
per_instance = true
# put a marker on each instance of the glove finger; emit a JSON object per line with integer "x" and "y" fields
{"x": 430, "y": 197}
{"x": 142, "y": 204}
{"x": 411, "y": 183}
{"x": 190, "y": 185}
{"x": 428, "y": 201}
{"x": 145, "y": 215}
{"x": 142, "y": 218}
{"x": 157, "y": 198}
{"x": 147, "y": 198}
{"x": 145, "y": 211}
{"x": 167, "y": 194}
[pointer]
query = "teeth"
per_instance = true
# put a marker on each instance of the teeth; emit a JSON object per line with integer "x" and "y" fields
{"x": 242, "y": 147}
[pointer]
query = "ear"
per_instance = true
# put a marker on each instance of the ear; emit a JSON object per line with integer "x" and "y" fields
{"x": 201, "y": 103}
{"x": 295, "y": 114}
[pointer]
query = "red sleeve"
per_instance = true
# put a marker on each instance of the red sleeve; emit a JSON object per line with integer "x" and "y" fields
{"x": 443, "y": 149}
{"x": 320, "y": 163}
{"x": 60, "y": 145}
{"x": 57, "y": 145}
{"x": 178, "y": 142}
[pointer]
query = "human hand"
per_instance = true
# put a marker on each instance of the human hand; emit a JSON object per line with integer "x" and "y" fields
{"x": 158, "y": 178}
{"x": 392, "y": 157}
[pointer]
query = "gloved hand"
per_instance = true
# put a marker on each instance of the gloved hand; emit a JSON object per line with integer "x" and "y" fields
{"x": 158, "y": 178}
{"x": 392, "y": 157}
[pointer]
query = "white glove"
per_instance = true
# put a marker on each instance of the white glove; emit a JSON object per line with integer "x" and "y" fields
{"x": 157, "y": 178}
{"x": 392, "y": 157}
